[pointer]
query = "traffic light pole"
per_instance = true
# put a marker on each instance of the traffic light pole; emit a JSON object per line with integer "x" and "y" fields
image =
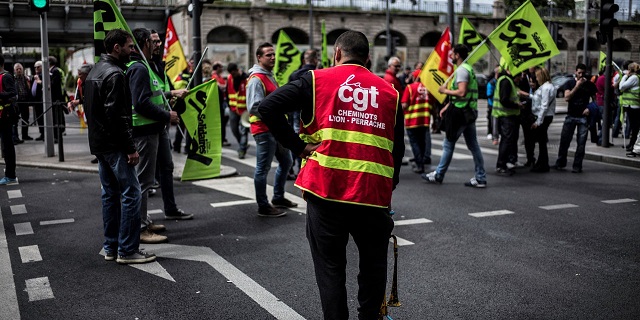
{"x": 608, "y": 94}
{"x": 46, "y": 87}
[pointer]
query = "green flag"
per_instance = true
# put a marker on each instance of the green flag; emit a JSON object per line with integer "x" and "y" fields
{"x": 325, "y": 55}
{"x": 106, "y": 17}
{"x": 287, "y": 58}
{"x": 523, "y": 39}
{"x": 202, "y": 120}
{"x": 471, "y": 38}
{"x": 603, "y": 60}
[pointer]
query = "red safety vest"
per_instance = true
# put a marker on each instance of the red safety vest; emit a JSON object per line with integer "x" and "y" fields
{"x": 237, "y": 99}
{"x": 353, "y": 120}
{"x": 257, "y": 126}
{"x": 418, "y": 114}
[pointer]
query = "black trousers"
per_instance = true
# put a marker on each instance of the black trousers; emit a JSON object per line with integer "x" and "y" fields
{"x": 541, "y": 137}
{"x": 329, "y": 225}
{"x": 509, "y": 128}
{"x": 8, "y": 150}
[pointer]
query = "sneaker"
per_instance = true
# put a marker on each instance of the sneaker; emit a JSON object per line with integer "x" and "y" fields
{"x": 109, "y": 256}
{"x": 226, "y": 143}
{"x": 271, "y": 212}
{"x": 155, "y": 185}
{"x": 576, "y": 170}
{"x": 136, "y": 257}
{"x": 518, "y": 164}
{"x": 178, "y": 215}
{"x": 242, "y": 154}
{"x": 291, "y": 177}
{"x": 557, "y": 167}
{"x": 632, "y": 154}
{"x": 489, "y": 136}
{"x": 283, "y": 203}
{"x": 504, "y": 172}
{"x": 431, "y": 177}
{"x": 27, "y": 138}
{"x": 147, "y": 236}
{"x": 475, "y": 183}
{"x": 94, "y": 160}
{"x": 6, "y": 181}
{"x": 152, "y": 192}
{"x": 156, "y": 227}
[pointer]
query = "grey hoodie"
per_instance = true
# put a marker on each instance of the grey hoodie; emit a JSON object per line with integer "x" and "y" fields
{"x": 255, "y": 90}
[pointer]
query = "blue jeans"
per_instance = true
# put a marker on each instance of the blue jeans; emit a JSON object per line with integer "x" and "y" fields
{"x": 120, "y": 203}
{"x": 266, "y": 148}
{"x": 420, "y": 140}
{"x": 470, "y": 138}
{"x": 239, "y": 131}
{"x": 568, "y": 128}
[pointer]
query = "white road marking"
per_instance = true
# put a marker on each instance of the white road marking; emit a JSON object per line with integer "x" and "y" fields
{"x": 490, "y": 213}
{"x": 232, "y": 203}
{"x": 18, "y": 209}
{"x": 254, "y": 290}
{"x": 23, "y": 228}
{"x": 38, "y": 289}
{"x": 8, "y": 297}
{"x": 243, "y": 187}
{"x": 411, "y": 221}
{"x": 154, "y": 268}
{"x": 59, "y": 221}
{"x": 12, "y": 194}
{"x": 155, "y": 211}
{"x": 402, "y": 242}
{"x": 559, "y": 206}
{"x": 30, "y": 254}
{"x": 616, "y": 201}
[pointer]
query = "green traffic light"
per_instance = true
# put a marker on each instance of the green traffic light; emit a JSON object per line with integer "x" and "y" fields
{"x": 40, "y": 4}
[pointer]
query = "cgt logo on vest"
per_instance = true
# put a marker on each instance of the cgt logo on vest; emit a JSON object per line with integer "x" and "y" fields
{"x": 361, "y": 97}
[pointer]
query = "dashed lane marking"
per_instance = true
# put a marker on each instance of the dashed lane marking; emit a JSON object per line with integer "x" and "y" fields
{"x": 59, "y": 221}
{"x": 616, "y": 201}
{"x": 559, "y": 206}
{"x": 402, "y": 242}
{"x": 30, "y": 254}
{"x": 12, "y": 194}
{"x": 18, "y": 209}
{"x": 490, "y": 213}
{"x": 411, "y": 221}
{"x": 23, "y": 228}
{"x": 8, "y": 297}
{"x": 39, "y": 289}
{"x": 232, "y": 203}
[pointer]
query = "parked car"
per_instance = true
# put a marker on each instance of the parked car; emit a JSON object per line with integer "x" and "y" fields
{"x": 482, "y": 85}
{"x": 559, "y": 82}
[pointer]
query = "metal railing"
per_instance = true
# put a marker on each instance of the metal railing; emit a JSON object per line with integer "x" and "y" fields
{"x": 139, "y": 3}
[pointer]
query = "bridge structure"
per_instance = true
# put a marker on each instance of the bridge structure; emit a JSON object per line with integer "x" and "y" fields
{"x": 232, "y": 29}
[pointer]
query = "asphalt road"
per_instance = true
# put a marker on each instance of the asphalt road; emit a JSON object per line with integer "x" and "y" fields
{"x": 532, "y": 246}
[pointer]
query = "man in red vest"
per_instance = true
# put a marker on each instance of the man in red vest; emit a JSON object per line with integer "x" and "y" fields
{"x": 417, "y": 115}
{"x": 352, "y": 145}
{"x": 261, "y": 83}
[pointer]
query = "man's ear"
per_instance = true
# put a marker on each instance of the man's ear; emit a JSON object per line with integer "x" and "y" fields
{"x": 337, "y": 55}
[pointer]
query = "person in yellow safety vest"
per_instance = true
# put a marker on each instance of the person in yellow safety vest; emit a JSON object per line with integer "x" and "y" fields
{"x": 237, "y": 90}
{"x": 630, "y": 99}
{"x": 460, "y": 118}
{"x": 352, "y": 145}
{"x": 506, "y": 109}
{"x": 151, "y": 116}
{"x": 580, "y": 91}
{"x": 417, "y": 115}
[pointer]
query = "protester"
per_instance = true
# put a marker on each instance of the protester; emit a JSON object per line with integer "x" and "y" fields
{"x": 218, "y": 68}
{"x": 506, "y": 109}
{"x": 36, "y": 93}
{"x": 417, "y": 108}
{"x": 341, "y": 200}
{"x": 261, "y": 83}
{"x": 151, "y": 116}
{"x": 543, "y": 108}
{"x": 58, "y": 98}
{"x": 237, "y": 95}
{"x": 460, "y": 119}
{"x": 393, "y": 67}
{"x": 107, "y": 102}
{"x": 23, "y": 85}
{"x": 8, "y": 118}
{"x": 578, "y": 97}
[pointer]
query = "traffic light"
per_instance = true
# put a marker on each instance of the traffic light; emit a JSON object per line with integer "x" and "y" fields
{"x": 39, "y": 5}
{"x": 608, "y": 10}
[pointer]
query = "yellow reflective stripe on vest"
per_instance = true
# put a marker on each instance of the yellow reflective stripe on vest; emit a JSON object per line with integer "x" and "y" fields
{"x": 417, "y": 106}
{"x": 352, "y": 165}
{"x": 349, "y": 136}
{"x": 630, "y": 97}
{"x": 416, "y": 115}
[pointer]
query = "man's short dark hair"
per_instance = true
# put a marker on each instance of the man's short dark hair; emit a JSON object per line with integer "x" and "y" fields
{"x": 310, "y": 55}
{"x": 581, "y": 66}
{"x": 53, "y": 61}
{"x": 259, "y": 51}
{"x": 141, "y": 35}
{"x": 232, "y": 67}
{"x": 462, "y": 50}
{"x": 626, "y": 63}
{"x": 354, "y": 44}
{"x": 115, "y": 36}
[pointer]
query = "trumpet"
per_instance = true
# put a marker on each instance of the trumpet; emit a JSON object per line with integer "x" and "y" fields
{"x": 393, "y": 295}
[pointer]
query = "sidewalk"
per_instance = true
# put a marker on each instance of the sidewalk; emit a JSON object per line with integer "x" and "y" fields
{"x": 76, "y": 153}
{"x": 78, "y": 158}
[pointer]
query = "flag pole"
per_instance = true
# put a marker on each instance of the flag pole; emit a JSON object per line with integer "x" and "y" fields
{"x": 204, "y": 54}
